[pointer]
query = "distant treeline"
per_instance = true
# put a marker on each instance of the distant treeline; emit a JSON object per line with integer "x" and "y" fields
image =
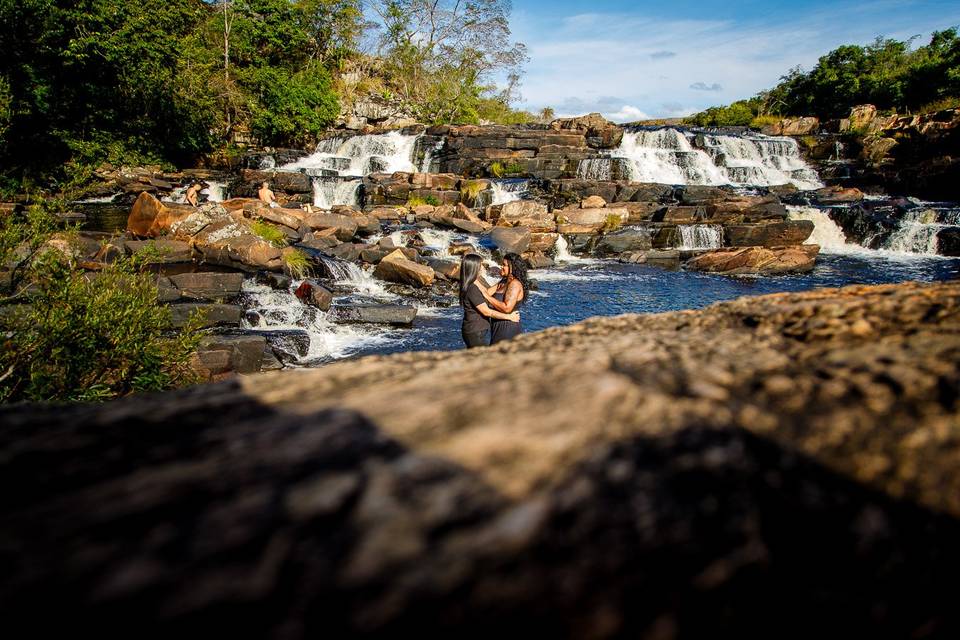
{"x": 889, "y": 74}
{"x": 165, "y": 81}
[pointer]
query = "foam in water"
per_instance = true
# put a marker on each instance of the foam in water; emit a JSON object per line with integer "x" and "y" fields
{"x": 826, "y": 232}
{"x": 279, "y": 310}
{"x": 439, "y": 240}
{"x": 700, "y": 236}
{"x": 384, "y": 153}
{"x": 670, "y": 156}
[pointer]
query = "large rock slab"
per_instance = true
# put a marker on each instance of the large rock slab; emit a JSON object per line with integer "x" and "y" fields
{"x": 511, "y": 240}
{"x": 161, "y": 251}
{"x": 770, "y": 234}
{"x": 244, "y": 354}
{"x": 756, "y": 260}
{"x": 211, "y": 315}
{"x": 396, "y": 267}
{"x": 151, "y": 218}
{"x": 397, "y": 314}
{"x": 756, "y": 459}
{"x": 208, "y": 285}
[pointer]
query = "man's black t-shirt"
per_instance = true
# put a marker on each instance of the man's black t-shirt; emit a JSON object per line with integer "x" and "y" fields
{"x": 473, "y": 320}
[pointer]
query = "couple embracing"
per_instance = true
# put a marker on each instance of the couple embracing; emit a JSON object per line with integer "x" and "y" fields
{"x": 492, "y": 308}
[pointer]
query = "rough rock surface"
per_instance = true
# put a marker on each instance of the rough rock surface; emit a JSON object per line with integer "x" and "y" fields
{"x": 767, "y": 467}
{"x": 757, "y": 260}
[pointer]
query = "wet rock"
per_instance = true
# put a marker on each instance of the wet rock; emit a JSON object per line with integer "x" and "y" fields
{"x": 948, "y": 241}
{"x": 836, "y": 195}
{"x": 208, "y": 286}
{"x": 522, "y": 213}
{"x": 396, "y": 314}
{"x": 273, "y": 280}
{"x": 289, "y": 346}
{"x": 510, "y": 239}
{"x": 630, "y": 239}
{"x": 313, "y": 293}
{"x": 449, "y": 269}
{"x": 396, "y": 267}
{"x": 756, "y": 260}
{"x": 345, "y": 226}
{"x": 538, "y": 260}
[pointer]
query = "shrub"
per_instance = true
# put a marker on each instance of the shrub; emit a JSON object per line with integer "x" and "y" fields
{"x": 415, "y": 201}
{"x": 269, "y": 233}
{"x": 296, "y": 263}
{"x": 470, "y": 190}
{"x": 513, "y": 168}
{"x": 612, "y": 223}
{"x": 496, "y": 169}
{"x": 432, "y": 200}
{"x": 762, "y": 121}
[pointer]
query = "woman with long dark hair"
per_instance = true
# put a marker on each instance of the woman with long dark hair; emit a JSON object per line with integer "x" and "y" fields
{"x": 476, "y": 311}
{"x": 507, "y": 295}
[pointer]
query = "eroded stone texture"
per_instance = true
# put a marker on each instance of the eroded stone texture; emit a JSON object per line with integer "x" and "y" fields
{"x": 767, "y": 467}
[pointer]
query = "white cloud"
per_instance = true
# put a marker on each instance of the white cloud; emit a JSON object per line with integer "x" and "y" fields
{"x": 627, "y": 113}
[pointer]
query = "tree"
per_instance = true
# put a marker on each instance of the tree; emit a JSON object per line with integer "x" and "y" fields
{"x": 443, "y": 54}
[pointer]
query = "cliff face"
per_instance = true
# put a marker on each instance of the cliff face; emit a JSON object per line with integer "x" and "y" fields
{"x": 763, "y": 467}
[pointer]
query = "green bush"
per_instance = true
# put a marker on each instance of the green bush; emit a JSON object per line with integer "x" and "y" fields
{"x": 291, "y": 108}
{"x": 296, "y": 263}
{"x": 72, "y": 335}
{"x": 497, "y": 170}
{"x": 269, "y": 233}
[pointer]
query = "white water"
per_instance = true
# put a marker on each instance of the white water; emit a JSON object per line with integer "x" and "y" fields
{"x": 503, "y": 191}
{"x": 700, "y": 236}
{"x": 354, "y": 276}
{"x": 671, "y": 156}
{"x": 917, "y": 233}
{"x": 360, "y": 155}
{"x": 426, "y": 163}
{"x": 439, "y": 240}
{"x": 328, "y": 192}
{"x": 97, "y": 200}
{"x": 826, "y": 232}
{"x": 215, "y": 191}
{"x": 282, "y": 310}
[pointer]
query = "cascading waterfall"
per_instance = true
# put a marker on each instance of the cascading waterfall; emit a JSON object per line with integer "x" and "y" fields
{"x": 826, "y": 232}
{"x": 328, "y": 192}
{"x": 562, "y": 250}
{"x": 917, "y": 233}
{"x": 426, "y": 163}
{"x": 338, "y": 164}
{"x": 439, "y": 240}
{"x": 700, "y": 236}
{"x": 672, "y": 156}
{"x": 757, "y": 160}
{"x": 216, "y": 191}
{"x": 352, "y": 275}
{"x": 280, "y": 310}
{"x": 503, "y": 191}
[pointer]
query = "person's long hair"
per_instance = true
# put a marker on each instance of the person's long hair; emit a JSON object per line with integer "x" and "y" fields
{"x": 518, "y": 269}
{"x": 469, "y": 271}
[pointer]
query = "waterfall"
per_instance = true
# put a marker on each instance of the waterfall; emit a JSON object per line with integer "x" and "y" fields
{"x": 426, "y": 163}
{"x": 757, "y": 160}
{"x": 504, "y": 191}
{"x": 352, "y": 275}
{"x": 328, "y": 192}
{"x": 439, "y": 240}
{"x": 562, "y": 250}
{"x": 672, "y": 156}
{"x": 826, "y": 232}
{"x": 215, "y": 191}
{"x": 700, "y": 236}
{"x": 917, "y": 233}
{"x": 281, "y": 310}
{"x": 360, "y": 155}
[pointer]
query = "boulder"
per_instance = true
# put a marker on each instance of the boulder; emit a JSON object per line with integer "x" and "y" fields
{"x": 395, "y": 314}
{"x": 291, "y": 218}
{"x": 285, "y": 181}
{"x": 396, "y": 267}
{"x": 538, "y": 260}
{"x": 208, "y": 286}
{"x": 599, "y": 132}
{"x": 279, "y": 281}
{"x": 770, "y": 234}
{"x": 860, "y": 119}
{"x": 387, "y": 213}
{"x": 803, "y": 126}
{"x": 345, "y": 226}
{"x": 542, "y": 242}
{"x": 593, "y": 202}
{"x": 231, "y": 244}
{"x": 211, "y": 315}
{"x": 525, "y": 213}
{"x": 836, "y": 195}
{"x": 166, "y": 292}
{"x": 313, "y": 293}
{"x": 151, "y": 218}
{"x": 289, "y": 346}
{"x": 449, "y": 269}
{"x": 244, "y": 353}
{"x": 511, "y": 239}
{"x": 629, "y": 239}
{"x": 756, "y": 260}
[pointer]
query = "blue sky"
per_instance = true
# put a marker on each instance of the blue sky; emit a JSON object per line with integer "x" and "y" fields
{"x": 631, "y": 60}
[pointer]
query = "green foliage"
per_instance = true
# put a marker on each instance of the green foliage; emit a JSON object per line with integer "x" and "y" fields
{"x": 291, "y": 108}
{"x": 738, "y": 114}
{"x": 496, "y": 169}
{"x": 470, "y": 190}
{"x": 762, "y": 121}
{"x": 887, "y": 73}
{"x": 296, "y": 263}
{"x": 72, "y": 335}
{"x": 269, "y": 233}
{"x": 432, "y": 200}
{"x": 415, "y": 201}
{"x": 612, "y": 223}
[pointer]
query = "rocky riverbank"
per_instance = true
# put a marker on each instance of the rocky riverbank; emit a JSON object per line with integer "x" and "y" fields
{"x": 766, "y": 467}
